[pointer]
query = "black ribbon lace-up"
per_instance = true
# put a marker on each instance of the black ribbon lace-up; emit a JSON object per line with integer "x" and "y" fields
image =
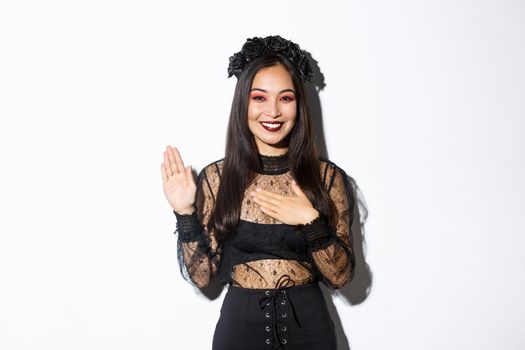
{"x": 271, "y": 299}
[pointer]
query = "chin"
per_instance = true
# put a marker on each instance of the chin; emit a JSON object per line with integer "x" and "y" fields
{"x": 274, "y": 142}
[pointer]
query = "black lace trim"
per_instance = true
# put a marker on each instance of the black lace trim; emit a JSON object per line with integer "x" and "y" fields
{"x": 274, "y": 165}
{"x": 188, "y": 226}
{"x": 317, "y": 233}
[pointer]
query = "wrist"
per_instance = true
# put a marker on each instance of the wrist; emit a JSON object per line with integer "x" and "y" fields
{"x": 315, "y": 231}
{"x": 188, "y": 226}
{"x": 311, "y": 216}
{"x": 184, "y": 211}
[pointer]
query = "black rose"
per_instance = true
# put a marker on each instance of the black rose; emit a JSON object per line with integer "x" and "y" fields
{"x": 236, "y": 66}
{"x": 293, "y": 55}
{"x": 305, "y": 68}
{"x": 253, "y": 48}
{"x": 276, "y": 43}
{"x": 295, "y": 48}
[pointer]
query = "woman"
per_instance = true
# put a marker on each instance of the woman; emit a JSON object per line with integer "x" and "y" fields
{"x": 271, "y": 218}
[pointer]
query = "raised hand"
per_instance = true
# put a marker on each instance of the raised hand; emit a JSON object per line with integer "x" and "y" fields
{"x": 290, "y": 210}
{"x": 178, "y": 183}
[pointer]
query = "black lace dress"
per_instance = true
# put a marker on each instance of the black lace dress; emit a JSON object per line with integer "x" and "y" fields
{"x": 273, "y": 300}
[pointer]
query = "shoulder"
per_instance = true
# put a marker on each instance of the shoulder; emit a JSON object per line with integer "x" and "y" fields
{"x": 212, "y": 169}
{"x": 210, "y": 176}
{"x": 331, "y": 172}
{"x": 337, "y": 183}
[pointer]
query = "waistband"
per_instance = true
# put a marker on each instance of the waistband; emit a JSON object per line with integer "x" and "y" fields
{"x": 296, "y": 287}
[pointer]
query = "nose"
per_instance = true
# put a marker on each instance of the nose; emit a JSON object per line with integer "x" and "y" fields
{"x": 273, "y": 110}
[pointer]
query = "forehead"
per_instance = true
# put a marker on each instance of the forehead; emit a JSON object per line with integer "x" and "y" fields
{"x": 273, "y": 78}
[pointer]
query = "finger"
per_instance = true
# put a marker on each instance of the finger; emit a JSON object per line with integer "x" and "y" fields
{"x": 178, "y": 160}
{"x": 172, "y": 162}
{"x": 189, "y": 174}
{"x": 275, "y": 207}
{"x": 167, "y": 166}
{"x": 268, "y": 194}
{"x": 271, "y": 213}
{"x": 163, "y": 173}
{"x": 266, "y": 198}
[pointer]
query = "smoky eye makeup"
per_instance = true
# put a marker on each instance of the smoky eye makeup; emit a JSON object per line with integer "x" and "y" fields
{"x": 288, "y": 98}
{"x": 257, "y": 97}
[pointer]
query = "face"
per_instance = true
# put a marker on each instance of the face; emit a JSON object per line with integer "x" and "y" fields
{"x": 272, "y": 109}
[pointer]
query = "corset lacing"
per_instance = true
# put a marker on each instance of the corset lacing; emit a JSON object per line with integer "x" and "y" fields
{"x": 272, "y": 299}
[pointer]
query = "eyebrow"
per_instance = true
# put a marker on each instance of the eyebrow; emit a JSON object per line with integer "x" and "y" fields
{"x": 285, "y": 90}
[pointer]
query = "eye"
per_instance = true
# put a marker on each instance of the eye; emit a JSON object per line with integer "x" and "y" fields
{"x": 258, "y": 98}
{"x": 288, "y": 98}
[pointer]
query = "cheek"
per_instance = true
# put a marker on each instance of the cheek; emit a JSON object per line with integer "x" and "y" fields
{"x": 292, "y": 113}
{"x": 252, "y": 123}
{"x": 291, "y": 125}
{"x": 253, "y": 113}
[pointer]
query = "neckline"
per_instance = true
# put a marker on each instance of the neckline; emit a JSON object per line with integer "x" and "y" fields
{"x": 274, "y": 165}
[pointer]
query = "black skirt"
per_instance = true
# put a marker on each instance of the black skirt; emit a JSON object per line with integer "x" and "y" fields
{"x": 286, "y": 317}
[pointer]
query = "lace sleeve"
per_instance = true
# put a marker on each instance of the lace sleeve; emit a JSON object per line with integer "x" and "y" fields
{"x": 197, "y": 249}
{"x": 331, "y": 248}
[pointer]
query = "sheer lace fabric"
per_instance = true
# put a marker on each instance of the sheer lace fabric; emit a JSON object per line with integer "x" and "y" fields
{"x": 263, "y": 248}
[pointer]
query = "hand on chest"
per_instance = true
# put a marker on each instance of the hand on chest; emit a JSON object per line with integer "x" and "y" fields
{"x": 251, "y": 211}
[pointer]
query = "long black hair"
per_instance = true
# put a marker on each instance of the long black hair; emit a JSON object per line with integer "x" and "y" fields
{"x": 242, "y": 161}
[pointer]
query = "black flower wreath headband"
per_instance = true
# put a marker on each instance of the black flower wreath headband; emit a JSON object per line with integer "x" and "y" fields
{"x": 256, "y": 47}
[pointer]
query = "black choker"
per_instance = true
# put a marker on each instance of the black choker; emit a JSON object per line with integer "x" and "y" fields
{"x": 274, "y": 165}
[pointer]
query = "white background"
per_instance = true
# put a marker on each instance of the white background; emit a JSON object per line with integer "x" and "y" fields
{"x": 423, "y": 107}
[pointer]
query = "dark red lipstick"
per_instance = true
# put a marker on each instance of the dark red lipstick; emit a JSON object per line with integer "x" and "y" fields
{"x": 272, "y": 126}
